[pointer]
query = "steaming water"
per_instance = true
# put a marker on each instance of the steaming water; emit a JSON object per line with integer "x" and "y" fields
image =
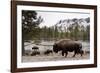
{"x": 44, "y": 45}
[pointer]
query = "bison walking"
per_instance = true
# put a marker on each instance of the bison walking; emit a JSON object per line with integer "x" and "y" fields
{"x": 68, "y": 46}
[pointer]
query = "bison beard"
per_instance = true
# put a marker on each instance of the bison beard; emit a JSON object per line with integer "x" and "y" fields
{"x": 68, "y": 46}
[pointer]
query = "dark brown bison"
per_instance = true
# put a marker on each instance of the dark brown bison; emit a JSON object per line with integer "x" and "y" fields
{"x": 34, "y": 53}
{"x": 47, "y": 52}
{"x": 68, "y": 46}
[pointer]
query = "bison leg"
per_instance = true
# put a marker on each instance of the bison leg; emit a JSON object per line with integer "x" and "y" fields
{"x": 62, "y": 53}
{"x": 66, "y": 54}
{"x": 74, "y": 54}
{"x": 81, "y": 52}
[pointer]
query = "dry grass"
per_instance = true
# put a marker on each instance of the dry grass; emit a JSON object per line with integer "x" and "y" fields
{"x": 53, "y": 57}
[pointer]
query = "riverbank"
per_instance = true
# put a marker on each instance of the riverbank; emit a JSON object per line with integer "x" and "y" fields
{"x": 54, "y": 57}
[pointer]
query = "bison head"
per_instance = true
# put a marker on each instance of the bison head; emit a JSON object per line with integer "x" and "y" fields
{"x": 80, "y": 46}
{"x": 55, "y": 48}
{"x": 81, "y": 52}
{"x": 80, "y": 49}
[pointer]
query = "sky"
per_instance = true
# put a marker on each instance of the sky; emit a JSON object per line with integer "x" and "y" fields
{"x": 51, "y": 17}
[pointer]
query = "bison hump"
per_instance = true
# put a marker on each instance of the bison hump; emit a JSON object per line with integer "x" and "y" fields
{"x": 66, "y": 42}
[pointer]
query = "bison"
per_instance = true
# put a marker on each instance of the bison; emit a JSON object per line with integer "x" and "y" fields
{"x": 47, "y": 52}
{"x": 34, "y": 53}
{"x": 68, "y": 46}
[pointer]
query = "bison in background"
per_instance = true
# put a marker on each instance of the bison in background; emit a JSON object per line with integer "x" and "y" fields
{"x": 48, "y": 51}
{"x": 34, "y": 53}
{"x": 66, "y": 46}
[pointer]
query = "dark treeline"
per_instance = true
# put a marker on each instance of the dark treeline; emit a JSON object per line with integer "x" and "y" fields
{"x": 73, "y": 29}
{"x": 55, "y": 33}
